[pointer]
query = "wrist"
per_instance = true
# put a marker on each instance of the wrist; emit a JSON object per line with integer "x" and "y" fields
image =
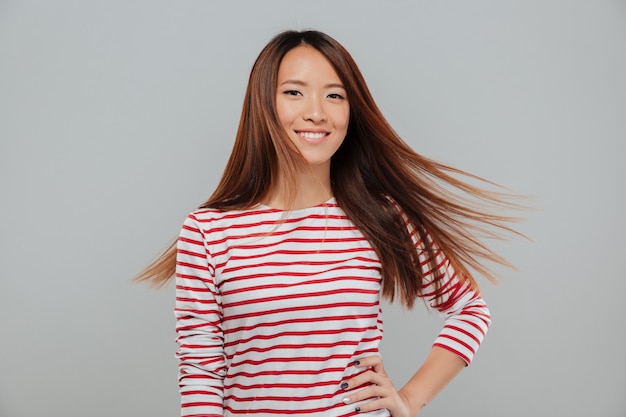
{"x": 414, "y": 404}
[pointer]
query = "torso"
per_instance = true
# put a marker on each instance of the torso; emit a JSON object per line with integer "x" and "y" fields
{"x": 299, "y": 294}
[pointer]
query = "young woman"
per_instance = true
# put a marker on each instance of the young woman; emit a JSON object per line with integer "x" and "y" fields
{"x": 321, "y": 209}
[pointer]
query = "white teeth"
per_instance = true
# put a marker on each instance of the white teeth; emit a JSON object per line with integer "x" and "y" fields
{"x": 311, "y": 135}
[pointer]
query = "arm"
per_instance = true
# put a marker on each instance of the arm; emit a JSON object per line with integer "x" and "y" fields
{"x": 198, "y": 317}
{"x": 466, "y": 322}
{"x": 437, "y": 371}
{"x": 439, "y": 368}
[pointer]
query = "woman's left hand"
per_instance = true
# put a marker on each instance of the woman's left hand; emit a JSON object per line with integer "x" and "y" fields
{"x": 378, "y": 387}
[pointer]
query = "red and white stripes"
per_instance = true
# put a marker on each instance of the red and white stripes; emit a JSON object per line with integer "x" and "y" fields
{"x": 273, "y": 307}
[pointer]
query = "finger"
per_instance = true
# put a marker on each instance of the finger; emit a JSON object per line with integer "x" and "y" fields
{"x": 369, "y": 362}
{"x": 373, "y": 362}
{"x": 366, "y": 386}
{"x": 367, "y": 380}
{"x": 372, "y": 392}
{"x": 362, "y": 380}
{"x": 370, "y": 399}
{"x": 375, "y": 374}
{"x": 378, "y": 404}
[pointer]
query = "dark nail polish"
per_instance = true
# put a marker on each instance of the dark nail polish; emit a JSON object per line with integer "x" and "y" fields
{"x": 358, "y": 409}
{"x": 344, "y": 385}
{"x": 357, "y": 363}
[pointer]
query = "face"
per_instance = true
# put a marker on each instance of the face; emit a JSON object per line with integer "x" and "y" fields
{"x": 312, "y": 105}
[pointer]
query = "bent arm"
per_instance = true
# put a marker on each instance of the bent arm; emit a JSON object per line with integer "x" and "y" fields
{"x": 438, "y": 370}
{"x": 467, "y": 320}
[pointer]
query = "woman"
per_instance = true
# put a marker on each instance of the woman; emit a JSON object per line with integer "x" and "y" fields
{"x": 321, "y": 209}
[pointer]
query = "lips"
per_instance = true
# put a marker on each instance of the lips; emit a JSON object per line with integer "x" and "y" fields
{"x": 312, "y": 136}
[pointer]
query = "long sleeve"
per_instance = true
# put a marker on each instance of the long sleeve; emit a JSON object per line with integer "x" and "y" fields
{"x": 198, "y": 326}
{"x": 466, "y": 315}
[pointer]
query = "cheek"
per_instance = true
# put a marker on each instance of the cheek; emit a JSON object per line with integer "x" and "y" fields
{"x": 285, "y": 112}
{"x": 345, "y": 120}
{"x": 280, "y": 111}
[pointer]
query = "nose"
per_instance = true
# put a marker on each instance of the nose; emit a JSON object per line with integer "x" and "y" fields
{"x": 314, "y": 110}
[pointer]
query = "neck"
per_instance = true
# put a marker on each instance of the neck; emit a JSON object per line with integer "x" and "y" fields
{"x": 312, "y": 188}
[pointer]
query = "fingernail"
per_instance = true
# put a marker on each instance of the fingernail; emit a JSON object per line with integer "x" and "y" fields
{"x": 346, "y": 400}
{"x": 344, "y": 385}
{"x": 357, "y": 363}
{"x": 358, "y": 409}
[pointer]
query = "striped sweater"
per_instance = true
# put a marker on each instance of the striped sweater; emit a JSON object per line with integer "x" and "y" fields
{"x": 273, "y": 307}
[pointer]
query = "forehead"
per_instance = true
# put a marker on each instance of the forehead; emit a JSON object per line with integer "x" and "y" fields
{"x": 306, "y": 62}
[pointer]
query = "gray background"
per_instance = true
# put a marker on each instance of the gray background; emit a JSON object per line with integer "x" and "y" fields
{"x": 116, "y": 118}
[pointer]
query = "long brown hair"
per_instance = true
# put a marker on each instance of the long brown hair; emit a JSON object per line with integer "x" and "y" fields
{"x": 375, "y": 176}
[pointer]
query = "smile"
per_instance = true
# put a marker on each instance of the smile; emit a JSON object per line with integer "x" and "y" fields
{"x": 312, "y": 135}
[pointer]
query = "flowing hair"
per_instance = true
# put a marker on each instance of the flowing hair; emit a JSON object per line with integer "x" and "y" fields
{"x": 385, "y": 188}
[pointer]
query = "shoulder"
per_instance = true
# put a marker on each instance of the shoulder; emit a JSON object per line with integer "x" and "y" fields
{"x": 214, "y": 214}
{"x": 204, "y": 215}
{"x": 215, "y": 220}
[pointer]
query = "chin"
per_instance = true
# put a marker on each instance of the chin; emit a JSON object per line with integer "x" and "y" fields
{"x": 318, "y": 164}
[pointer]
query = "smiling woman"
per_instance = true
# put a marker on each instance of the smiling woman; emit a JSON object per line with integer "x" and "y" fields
{"x": 312, "y": 107}
{"x": 321, "y": 209}
{"x": 311, "y": 104}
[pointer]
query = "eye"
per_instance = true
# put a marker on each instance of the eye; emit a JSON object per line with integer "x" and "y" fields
{"x": 292, "y": 93}
{"x": 336, "y": 96}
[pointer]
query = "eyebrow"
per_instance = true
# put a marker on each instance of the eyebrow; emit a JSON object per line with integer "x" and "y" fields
{"x": 302, "y": 83}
